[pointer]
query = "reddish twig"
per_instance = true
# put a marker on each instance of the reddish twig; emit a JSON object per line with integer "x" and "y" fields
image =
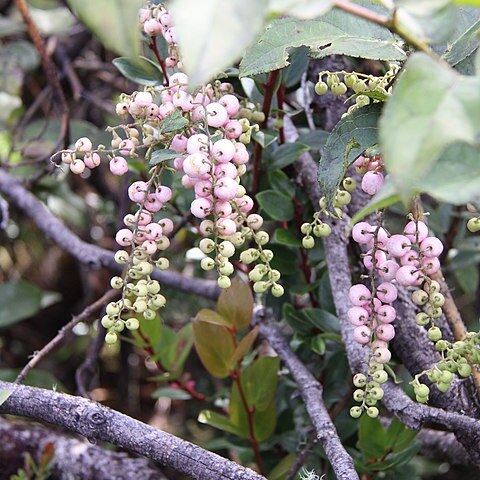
{"x": 154, "y": 48}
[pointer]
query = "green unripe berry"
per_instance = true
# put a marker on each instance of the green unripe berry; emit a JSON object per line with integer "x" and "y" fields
{"x": 421, "y": 399}
{"x": 140, "y": 290}
{"x": 107, "y": 322}
{"x": 277, "y": 290}
{"x": 422, "y": 319}
{"x": 443, "y": 387}
{"x": 260, "y": 287}
{"x": 362, "y": 100}
{"x": 274, "y": 275}
{"x": 321, "y": 88}
{"x": 372, "y": 412}
{"x": 118, "y": 326}
{"x": 245, "y": 138}
{"x": 359, "y": 86}
{"x": 134, "y": 274}
{"x": 110, "y": 337}
{"x": 153, "y": 287}
{"x": 308, "y": 242}
{"x": 224, "y": 282}
{"x": 359, "y": 395}
{"x": 349, "y": 184}
{"x": 343, "y": 198}
{"x": 376, "y": 393}
{"x": 473, "y": 225}
{"x": 132, "y": 323}
{"x": 245, "y": 114}
{"x": 163, "y": 263}
{"x": 266, "y": 255}
{"x": 381, "y": 376}
{"x": 332, "y": 79}
{"x": 437, "y": 299}
{"x": 116, "y": 282}
{"x": 145, "y": 268}
{"x": 121, "y": 257}
{"x": 249, "y": 256}
{"x": 434, "y": 334}
{"x": 226, "y": 248}
{"x": 446, "y": 377}
{"x": 140, "y": 305}
{"x": 441, "y": 345}
{"x": 262, "y": 238}
{"x": 158, "y": 300}
{"x": 356, "y": 412}
{"x": 322, "y": 203}
{"x": 359, "y": 380}
{"x": 419, "y": 297}
{"x": 422, "y": 390}
{"x": 464, "y": 370}
{"x": 339, "y": 89}
{"x": 322, "y": 230}
{"x": 149, "y": 314}
{"x": 112, "y": 309}
{"x": 226, "y": 268}
{"x": 432, "y": 287}
{"x": 306, "y": 228}
{"x": 375, "y": 367}
{"x": 256, "y": 275}
{"x": 207, "y": 245}
{"x": 350, "y": 79}
{"x": 207, "y": 264}
{"x": 258, "y": 117}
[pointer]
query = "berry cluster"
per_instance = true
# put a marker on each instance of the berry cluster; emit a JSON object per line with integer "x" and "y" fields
{"x": 82, "y": 157}
{"x": 370, "y": 166}
{"x": 366, "y": 88}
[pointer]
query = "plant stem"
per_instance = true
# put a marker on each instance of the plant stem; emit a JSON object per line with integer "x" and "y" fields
{"x": 154, "y": 48}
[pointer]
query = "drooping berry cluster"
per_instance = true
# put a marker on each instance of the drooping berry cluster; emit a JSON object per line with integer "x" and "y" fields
{"x": 370, "y": 165}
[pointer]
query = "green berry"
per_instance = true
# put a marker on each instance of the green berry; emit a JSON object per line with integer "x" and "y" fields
{"x": 322, "y": 230}
{"x": 349, "y": 184}
{"x": 306, "y": 228}
{"x": 339, "y": 89}
{"x": 116, "y": 282}
{"x": 277, "y": 290}
{"x": 321, "y": 88}
{"x": 207, "y": 245}
{"x": 308, "y": 242}
{"x": 207, "y": 264}
{"x": 437, "y": 299}
{"x": 350, "y": 79}
{"x": 258, "y": 117}
{"x": 260, "y": 287}
{"x": 359, "y": 380}
{"x": 112, "y": 309}
{"x": 356, "y": 412}
{"x": 473, "y": 225}
{"x": 359, "y": 86}
{"x": 381, "y": 376}
{"x": 132, "y": 323}
{"x": 422, "y": 319}
{"x": 107, "y": 322}
{"x": 158, "y": 300}
{"x": 434, "y": 334}
{"x": 343, "y": 198}
{"x": 359, "y": 395}
{"x": 227, "y": 249}
{"x": 224, "y": 282}
{"x": 226, "y": 268}
{"x": 110, "y": 338}
{"x": 376, "y": 393}
{"x": 162, "y": 263}
{"x": 419, "y": 297}
{"x": 372, "y": 412}
{"x": 443, "y": 387}
{"x": 422, "y": 390}
{"x": 118, "y": 326}
{"x": 149, "y": 314}
{"x": 441, "y": 345}
{"x": 362, "y": 100}
{"x": 121, "y": 257}
{"x": 464, "y": 370}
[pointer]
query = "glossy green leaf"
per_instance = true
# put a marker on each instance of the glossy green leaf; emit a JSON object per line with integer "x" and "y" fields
{"x": 295, "y": 320}
{"x": 218, "y": 421}
{"x": 415, "y": 129}
{"x": 35, "y": 378}
{"x": 4, "y": 394}
{"x": 336, "y": 32}
{"x": 165, "y": 348}
{"x": 321, "y": 319}
{"x": 281, "y": 182}
{"x": 174, "y": 122}
{"x": 398, "y": 436}
{"x": 213, "y": 34}
{"x": 114, "y": 22}
{"x": 18, "y": 301}
{"x": 371, "y": 437}
{"x": 244, "y": 345}
{"x": 173, "y": 393}
{"x": 286, "y": 154}
{"x": 286, "y": 237}
{"x": 210, "y": 316}
{"x": 184, "y": 344}
{"x": 277, "y": 205}
{"x": 351, "y": 136}
{"x": 235, "y": 304}
{"x": 215, "y": 347}
{"x": 139, "y": 70}
{"x": 281, "y": 469}
{"x": 159, "y": 156}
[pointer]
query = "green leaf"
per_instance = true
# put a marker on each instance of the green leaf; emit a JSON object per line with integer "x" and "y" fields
{"x": 213, "y": 34}
{"x": 282, "y": 468}
{"x": 210, "y": 316}
{"x": 281, "y": 182}
{"x": 286, "y": 237}
{"x": 286, "y": 154}
{"x": 299, "y": 8}
{"x": 159, "y": 156}
{"x": 277, "y": 205}
{"x": 4, "y": 394}
{"x": 299, "y": 323}
{"x": 416, "y": 128}
{"x": 114, "y": 22}
{"x": 398, "y": 436}
{"x": 235, "y": 304}
{"x": 218, "y": 421}
{"x": 245, "y": 345}
{"x": 321, "y": 319}
{"x": 336, "y": 32}
{"x": 215, "y": 347}
{"x": 473, "y": 3}
{"x": 35, "y": 378}
{"x": 174, "y": 122}
{"x": 139, "y": 70}
{"x": 264, "y": 137}
{"x": 173, "y": 393}
{"x": 371, "y": 437}
{"x": 350, "y": 137}
{"x": 165, "y": 348}
{"x": 467, "y": 41}
{"x": 19, "y": 301}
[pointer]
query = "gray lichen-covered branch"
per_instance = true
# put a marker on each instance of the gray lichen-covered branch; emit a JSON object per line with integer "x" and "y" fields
{"x": 96, "y": 422}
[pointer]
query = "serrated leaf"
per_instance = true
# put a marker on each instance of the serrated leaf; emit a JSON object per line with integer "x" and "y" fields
{"x": 218, "y": 421}
{"x": 213, "y": 34}
{"x": 245, "y": 345}
{"x": 336, "y": 32}
{"x": 114, "y": 22}
{"x": 18, "y": 301}
{"x": 139, "y": 70}
{"x": 415, "y": 129}
{"x": 350, "y": 137}
{"x": 215, "y": 347}
{"x": 235, "y": 304}
{"x": 174, "y": 122}
{"x": 159, "y": 156}
{"x": 277, "y": 205}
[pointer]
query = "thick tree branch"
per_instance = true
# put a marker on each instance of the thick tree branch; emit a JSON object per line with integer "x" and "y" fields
{"x": 96, "y": 422}
{"x": 90, "y": 255}
{"x": 311, "y": 391}
{"x": 72, "y": 458}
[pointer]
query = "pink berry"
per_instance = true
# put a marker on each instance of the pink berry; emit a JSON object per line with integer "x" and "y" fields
{"x": 206, "y": 227}
{"x": 410, "y": 258}
{"x": 387, "y": 292}
{"x": 226, "y": 170}
{"x": 124, "y": 237}
{"x": 152, "y": 203}
{"x": 245, "y": 203}
{"x": 201, "y": 207}
{"x": 126, "y": 147}
{"x": 357, "y": 316}
{"x": 167, "y": 225}
{"x": 163, "y": 193}
{"x": 165, "y": 110}
{"x": 233, "y": 129}
{"x": 387, "y": 270}
{"x": 196, "y": 165}
{"x": 198, "y": 143}
{"x": 91, "y": 160}
{"x": 431, "y": 247}
{"x": 153, "y": 231}
{"x": 150, "y": 246}
{"x": 179, "y": 143}
{"x": 359, "y": 295}
{"x": 223, "y": 209}
{"x": 410, "y": 231}
{"x": 372, "y": 182}
{"x": 382, "y": 354}
{"x": 241, "y": 154}
{"x": 83, "y": 144}
{"x": 223, "y": 150}
{"x": 231, "y": 104}
{"x": 152, "y": 27}
{"x": 143, "y": 99}
{"x": 386, "y": 314}
{"x": 431, "y": 265}
{"x": 362, "y": 232}
{"x": 137, "y": 191}
{"x": 217, "y": 115}
{"x": 226, "y": 189}
{"x": 362, "y": 334}
{"x": 183, "y": 100}
{"x": 118, "y": 166}
{"x": 226, "y": 227}
{"x": 380, "y": 258}
{"x": 398, "y": 245}
{"x": 171, "y": 35}
{"x": 407, "y": 275}
{"x": 385, "y": 332}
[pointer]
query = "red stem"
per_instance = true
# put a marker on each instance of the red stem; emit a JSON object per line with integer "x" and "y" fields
{"x": 280, "y": 100}
{"x": 154, "y": 48}
{"x": 267, "y": 103}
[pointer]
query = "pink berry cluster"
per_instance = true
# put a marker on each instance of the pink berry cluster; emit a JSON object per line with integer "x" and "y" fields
{"x": 156, "y": 21}
{"x": 82, "y": 157}
{"x": 371, "y": 167}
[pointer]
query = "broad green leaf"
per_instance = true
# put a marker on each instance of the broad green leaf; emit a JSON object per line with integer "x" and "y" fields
{"x": 371, "y": 437}
{"x": 282, "y": 468}
{"x": 336, "y": 32}
{"x": 215, "y": 347}
{"x": 321, "y": 319}
{"x": 165, "y": 348}
{"x": 286, "y": 237}
{"x": 432, "y": 21}
{"x": 393, "y": 460}
{"x": 468, "y": 277}
{"x": 264, "y": 137}
{"x": 386, "y": 197}
{"x": 159, "y": 156}
{"x": 281, "y": 182}
{"x": 18, "y": 301}
{"x": 218, "y": 421}
{"x": 184, "y": 345}
{"x": 4, "y": 394}
{"x": 415, "y": 128}
{"x": 299, "y": 8}
{"x": 173, "y": 123}
{"x": 398, "y": 436}
{"x": 467, "y": 40}
{"x": 235, "y": 304}
{"x": 21, "y": 53}
{"x": 213, "y": 34}
{"x": 114, "y": 22}
{"x": 173, "y": 393}
{"x": 277, "y": 205}
{"x": 299, "y": 323}
{"x": 351, "y": 136}
{"x": 286, "y": 154}
{"x": 245, "y": 345}
{"x": 210, "y": 316}
{"x": 139, "y": 70}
